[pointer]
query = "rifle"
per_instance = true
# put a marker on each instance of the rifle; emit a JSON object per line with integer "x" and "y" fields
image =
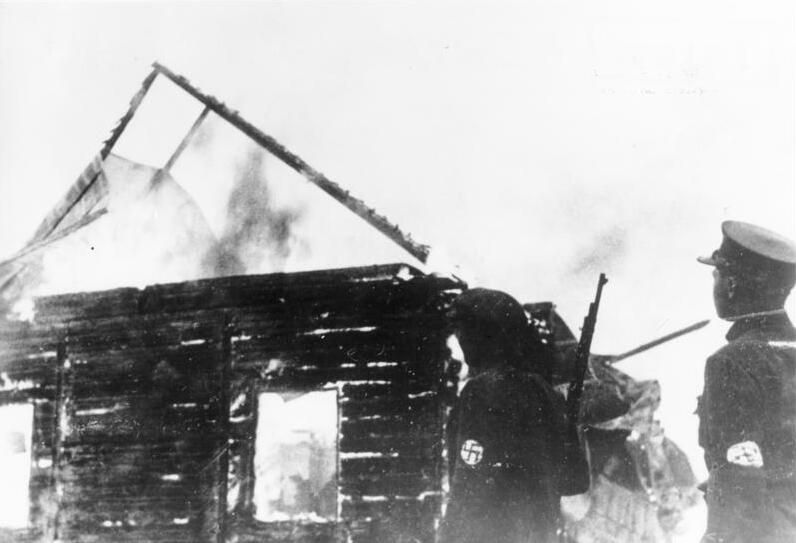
{"x": 582, "y": 355}
{"x": 614, "y": 358}
{"x": 575, "y": 477}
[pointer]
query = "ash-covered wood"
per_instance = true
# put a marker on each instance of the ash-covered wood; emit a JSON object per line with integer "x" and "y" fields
{"x": 146, "y": 409}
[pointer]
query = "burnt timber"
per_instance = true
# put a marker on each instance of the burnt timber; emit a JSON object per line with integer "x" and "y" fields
{"x": 145, "y": 403}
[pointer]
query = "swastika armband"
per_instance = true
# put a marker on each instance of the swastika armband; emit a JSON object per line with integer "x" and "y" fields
{"x": 471, "y": 452}
{"x": 746, "y": 454}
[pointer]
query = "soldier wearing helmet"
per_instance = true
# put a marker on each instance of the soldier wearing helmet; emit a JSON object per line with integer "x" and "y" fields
{"x": 747, "y": 411}
{"x": 508, "y": 432}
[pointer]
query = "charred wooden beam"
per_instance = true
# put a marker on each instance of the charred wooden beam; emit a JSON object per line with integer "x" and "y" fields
{"x": 85, "y": 182}
{"x": 357, "y": 206}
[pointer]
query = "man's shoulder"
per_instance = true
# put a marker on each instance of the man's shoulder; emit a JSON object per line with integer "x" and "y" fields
{"x": 747, "y": 346}
{"x": 506, "y": 386}
{"x": 735, "y": 355}
{"x": 748, "y": 358}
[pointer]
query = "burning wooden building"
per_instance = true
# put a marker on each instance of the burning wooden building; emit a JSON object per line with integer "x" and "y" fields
{"x": 230, "y": 405}
{"x": 301, "y": 407}
{"x": 305, "y": 406}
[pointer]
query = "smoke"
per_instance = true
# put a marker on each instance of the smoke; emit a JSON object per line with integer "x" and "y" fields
{"x": 158, "y": 234}
{"x": 257, "y": 232}
{"x": 603, "y": 251}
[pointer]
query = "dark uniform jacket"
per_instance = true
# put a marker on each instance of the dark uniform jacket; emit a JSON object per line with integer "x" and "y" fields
{"x": 749, "y": 402}
{"x": 506, "y": 449}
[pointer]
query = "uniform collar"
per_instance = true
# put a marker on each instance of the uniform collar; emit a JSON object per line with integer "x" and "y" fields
{"x": 742, "y": 324}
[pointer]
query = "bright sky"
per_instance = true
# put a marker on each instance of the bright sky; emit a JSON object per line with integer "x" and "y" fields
{"x": 536, "y": 144}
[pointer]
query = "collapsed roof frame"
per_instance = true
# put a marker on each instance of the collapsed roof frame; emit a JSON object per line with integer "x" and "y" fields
{"x": 355, "y": 205}
{"x": 48, "y": 231}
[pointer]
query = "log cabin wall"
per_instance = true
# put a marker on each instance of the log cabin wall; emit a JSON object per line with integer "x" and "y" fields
{"x": 145, "y": 403}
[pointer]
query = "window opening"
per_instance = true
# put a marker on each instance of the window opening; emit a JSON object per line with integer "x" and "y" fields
{"x": 16, "y": 430}
{"x": 295, "y": 460}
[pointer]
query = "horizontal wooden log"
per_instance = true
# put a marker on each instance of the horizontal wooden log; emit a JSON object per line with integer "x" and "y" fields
{"x": 338, "y": 363}
{"x": 26, "y": 351}
{"x": 93, "y": 516}
{"x": 185, "y": 456}
{"x": 144, "y": 331}
{"x": 354, "y": 389}
{"x": 416, "y": 465}
{"x": 357, "y": 344}
{"x": 388, "y": 485}
{"x": 402, "y": 444}
{"x": 415, "y": 422}
{"x": 374, "y": 390}
{"x": 23, "y": 373}
{"x": 112, "y": 353}
{"x": 82, "y": 492}
{"x": 253, "y": 531}
{"x": 34, "y": 392}
{"x": 26, "y": 335}
{"x": 394, "y": 519}
{"x": 95, "y": 404}
{"x": 306, "y": 310}
{"x": 142, "y": 429}
{"x": 21, "y": 535}
{"x": 91, "y": 532}
{"x": 161, "y": 385}
{"x": 422, "y": 507}
{"x": 388, "y": 405}
{"x": 87, "y": 305}
{"x": 241, "y": 291}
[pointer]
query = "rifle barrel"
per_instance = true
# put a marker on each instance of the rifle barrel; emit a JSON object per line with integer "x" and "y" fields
{"x": 582, "y": 353}
{"x": 654, "y": 343}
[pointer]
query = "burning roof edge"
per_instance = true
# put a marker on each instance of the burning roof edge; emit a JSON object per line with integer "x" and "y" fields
{"x": 48, "y": 231}
{"x": 224, "y": 292}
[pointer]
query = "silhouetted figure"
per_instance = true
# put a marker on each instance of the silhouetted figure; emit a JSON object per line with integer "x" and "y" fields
{"x": 507, "y": 434}
{"x": 747, "y": 411}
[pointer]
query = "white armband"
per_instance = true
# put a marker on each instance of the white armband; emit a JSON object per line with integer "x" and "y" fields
{"x": 746, "y": 453}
